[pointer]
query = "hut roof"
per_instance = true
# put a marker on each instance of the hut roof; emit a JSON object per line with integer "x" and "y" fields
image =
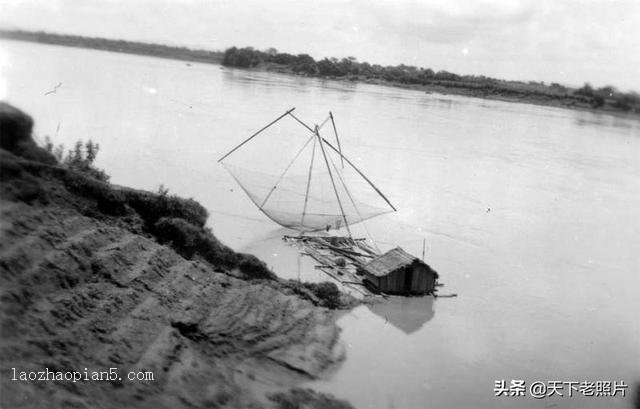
{"x": 389, "y": 261}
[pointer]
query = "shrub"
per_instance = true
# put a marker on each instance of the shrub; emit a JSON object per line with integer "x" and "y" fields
{"x": 18, "y": 185}
{"x": 190, "y": 240}
{"x": 152, "y": 207}
{"x": 253, "y": 267}
{"x": 327, "y": 292}
{"x": 183, "y": 236}
{"x": 243, "y": 57}
{"x": 29, "y": 190}
{"x": 80, "y": 159}
{"x": 15, "y": 135}
{"x": 9, "y": 168}
{"x": 109, "y": 200}
{"x": 15, "y": 126}
{"x": 33, "y": 152}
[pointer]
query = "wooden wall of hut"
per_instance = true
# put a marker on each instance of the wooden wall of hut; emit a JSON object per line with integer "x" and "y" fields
{"x": 416, "y": 278}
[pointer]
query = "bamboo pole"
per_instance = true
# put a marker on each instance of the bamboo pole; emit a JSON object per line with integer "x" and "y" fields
{"x": 353, "y": 202}
{"x": 333, "y": 183}
{"x": 306, "y": 194}
{"x": 347, "y": 251}
{"x": 256, "y": 134}
{"x": 335, "y": 131}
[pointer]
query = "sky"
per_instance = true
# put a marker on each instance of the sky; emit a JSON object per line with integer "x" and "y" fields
{"x": 565, "y": 41}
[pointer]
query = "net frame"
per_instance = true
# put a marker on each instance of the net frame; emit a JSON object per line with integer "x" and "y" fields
{"x": 322, "y": 142}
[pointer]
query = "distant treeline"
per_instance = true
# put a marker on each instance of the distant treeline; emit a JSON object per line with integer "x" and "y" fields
{"x": 121, "y": 46}
{"x": 476, "y": 85}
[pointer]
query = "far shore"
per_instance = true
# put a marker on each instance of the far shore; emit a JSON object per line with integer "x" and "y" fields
{"x": 466, "y": 92}
{"x": 554, "y": 95}
{"x": 118, "y": 46}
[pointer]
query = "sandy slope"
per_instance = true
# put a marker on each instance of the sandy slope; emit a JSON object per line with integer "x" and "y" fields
{"x": 79, "y": 293}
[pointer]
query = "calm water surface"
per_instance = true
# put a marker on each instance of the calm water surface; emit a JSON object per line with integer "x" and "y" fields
{"x": 530, "y": 213}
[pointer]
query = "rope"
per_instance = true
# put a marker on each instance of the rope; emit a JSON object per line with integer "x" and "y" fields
{"x": 333, "y": 183}
{"x": 306, "y": 195}
{"x": 285, "y": 171}
{"x": 324, "y": 122}
{"x": 362, "y": 220}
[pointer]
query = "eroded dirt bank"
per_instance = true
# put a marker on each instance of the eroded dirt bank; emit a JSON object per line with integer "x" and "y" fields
{"x": 82, "y": 289}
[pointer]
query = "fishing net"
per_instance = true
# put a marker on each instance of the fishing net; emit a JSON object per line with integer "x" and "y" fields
{"x": 301, "y": 181}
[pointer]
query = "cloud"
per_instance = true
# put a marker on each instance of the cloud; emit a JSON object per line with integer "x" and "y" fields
{"x": 447, "y": 22}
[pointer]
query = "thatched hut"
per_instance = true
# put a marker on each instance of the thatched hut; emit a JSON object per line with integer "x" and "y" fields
{"x": 398, "y": 272}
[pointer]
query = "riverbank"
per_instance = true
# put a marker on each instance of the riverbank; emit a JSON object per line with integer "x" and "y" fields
{"x": 525, "y": 96}
{"x": 88, "y": 284}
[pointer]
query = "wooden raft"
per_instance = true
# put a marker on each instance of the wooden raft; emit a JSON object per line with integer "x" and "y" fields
{"x": 338, "y": 257}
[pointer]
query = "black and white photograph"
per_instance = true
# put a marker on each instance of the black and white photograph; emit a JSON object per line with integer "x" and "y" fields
{"x": 331, "y": 204}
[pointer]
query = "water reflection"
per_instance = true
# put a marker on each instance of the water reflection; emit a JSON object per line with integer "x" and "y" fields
{"x": 408, "y": 314}
{"x": 234, "y": 77}
{"x": 606, "y": 120}
{"x": 340, "y": 86}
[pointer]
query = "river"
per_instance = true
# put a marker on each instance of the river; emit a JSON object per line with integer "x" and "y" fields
{"x": 530, "y": 213}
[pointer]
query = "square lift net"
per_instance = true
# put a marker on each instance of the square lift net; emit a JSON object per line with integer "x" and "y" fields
{"x": 298, "y": 176}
